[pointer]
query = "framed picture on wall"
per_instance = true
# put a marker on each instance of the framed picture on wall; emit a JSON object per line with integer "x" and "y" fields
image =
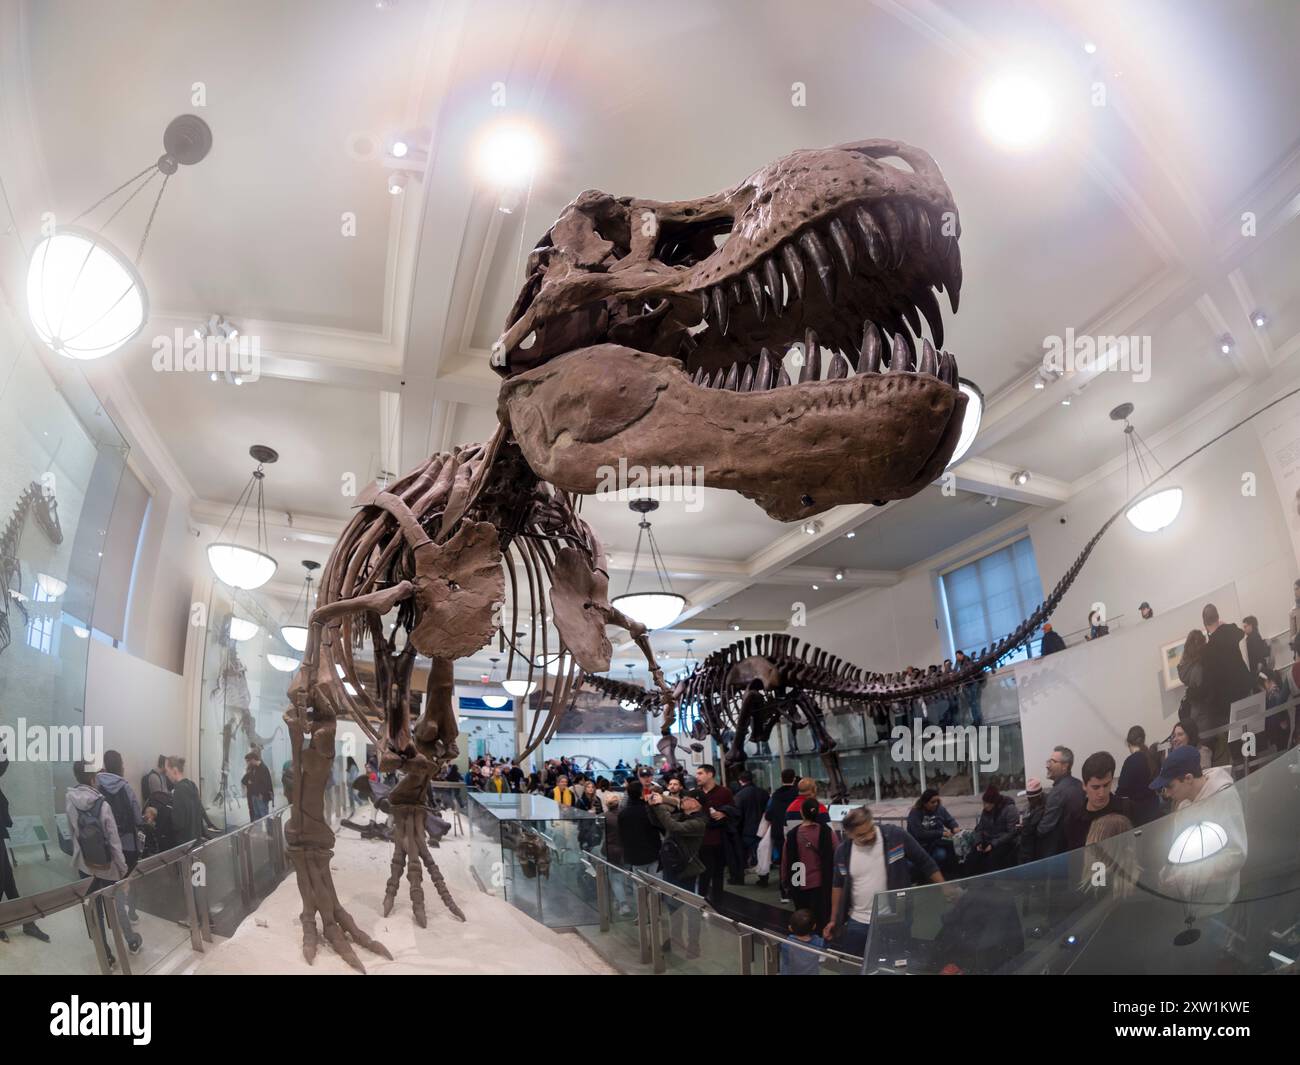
{"x": 1170, "y": 655}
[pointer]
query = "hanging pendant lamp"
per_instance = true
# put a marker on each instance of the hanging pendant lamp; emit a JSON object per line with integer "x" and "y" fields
{"x": 1155, "y": 509}
{"x": 494, "y": 702}
{"x": 654, "y": 610}
{"x": 295, "y": 635}
{"x": 231, "y": 562}
{"x": 85, "y": 298}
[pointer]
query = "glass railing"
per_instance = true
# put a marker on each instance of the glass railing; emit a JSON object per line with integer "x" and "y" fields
{"x": 1212, "y": 888}
{"x": 170, "y": 906}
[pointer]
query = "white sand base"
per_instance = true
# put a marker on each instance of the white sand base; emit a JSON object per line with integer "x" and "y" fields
{"x": 496, "y": 939}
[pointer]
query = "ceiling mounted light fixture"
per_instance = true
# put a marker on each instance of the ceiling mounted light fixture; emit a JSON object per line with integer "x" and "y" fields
{"x": 494, "y": 702}
{"x": 1154, "y": 510}
{"x": 508, "y": 154}
{"x": 654, "y": 610}
{"x": 970, "y": 422}
{"x": 1226, "y": 344}
{"x": 1020, "y": 477}
{"x": 295, "y": 635}
{"x": 242, "y": 629}
{"x": 234, "y": 564}
{"x": 283, "y": 663}
{"x": 85, "y": 298}
{"x": 1258, "y": 319}
{"x": 1016, "y": 110}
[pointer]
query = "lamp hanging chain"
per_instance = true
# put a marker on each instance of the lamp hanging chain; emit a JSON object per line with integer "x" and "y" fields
{"x": 636, "y": 555}
{"x": 661, "y": 570}
{"x": 152, "y": 212}
{"x": 241, "y": 504}
{"x": 110, "y": 195}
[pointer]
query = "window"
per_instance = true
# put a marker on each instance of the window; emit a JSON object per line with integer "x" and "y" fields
{"x": 40, "y": 620}
{"x": 986, "y": 599}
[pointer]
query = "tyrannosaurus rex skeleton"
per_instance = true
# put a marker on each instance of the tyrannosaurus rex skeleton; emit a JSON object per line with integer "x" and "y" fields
{"x": 652, "y": 333}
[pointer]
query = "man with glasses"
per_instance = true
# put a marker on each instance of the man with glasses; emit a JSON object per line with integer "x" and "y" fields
{"x": 1065, "y": 803}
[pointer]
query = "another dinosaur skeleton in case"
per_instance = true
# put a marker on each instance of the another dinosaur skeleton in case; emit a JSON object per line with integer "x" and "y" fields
{"x": 636, "y": 337}
{"x": 39, "y": 502}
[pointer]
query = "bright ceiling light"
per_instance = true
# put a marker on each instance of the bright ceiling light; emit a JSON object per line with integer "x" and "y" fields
{"x": 51, "y": 586}
{"x": 400, "y": 148}
{"x": 1015, "y": 110}
{"x": 1090, "y": 47}
{"x": 1153, "y": 512}
{"x": 283, "y": 663}
{"x": 495, "y": 702}
{"x": 1202, "y": 840}
{"x": 295, "y": 636}
{"x": 85, "y": 298}
{"x": 1226, "y": 344}
{"x": 1259, "y": 319}
{"x": 519, "y": 688}
{"x": 240, "y": 567}
{"x": 970, "y": 424}
{"x": 508, "y": 155}
{"x": 243, "y": 629}
{"x": 1020, "y": 477}
{"x": 396, "y": 183}
{"x": 654, "y": 610}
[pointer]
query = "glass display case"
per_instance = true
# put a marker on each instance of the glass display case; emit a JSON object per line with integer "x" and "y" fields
{"x": 529, "y": 850}
{"x": 61, "y": 459}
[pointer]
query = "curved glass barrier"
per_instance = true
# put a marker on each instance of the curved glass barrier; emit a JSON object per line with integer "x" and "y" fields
{"x": 1212, "y": 888}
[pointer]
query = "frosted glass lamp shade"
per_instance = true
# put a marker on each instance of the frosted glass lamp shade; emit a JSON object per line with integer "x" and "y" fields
{"x": 240, "y": 567}
{"x": 85, "y": 298}
{"x": 1154, "y": 512}
{"x": 283, "y": 663}
{"x": 496, "y": 702}
{"x": 1201, "y": 840}
{"x": 519, "y": 688}
{"x": 295, "y": 636}
{"x": 654, "y": 610}
{"x": 243, "y": 629}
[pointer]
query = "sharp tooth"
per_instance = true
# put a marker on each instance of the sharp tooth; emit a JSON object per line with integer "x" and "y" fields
{"x": 756, "y": 294}
{"x": 869, "y": 357}
{"x": 772, "y": 275}
{"x": 705, "y": 304}
{"x": 948, "y": 368}
{"x": 893, "y": 228}
{"x": 877, "y": 247}
{"x": 700, "y": 378}
{"x": 839, "y": 367}
{"x": 767, "y": 369}
{"x": 954, "y": 276}
{"x": 821, "y": 261}
{"x": 737, "y": 293}
{"x": 782, "y": 378}
{"x": 717, "y": 379}
{"x": 929, "y": 363}
{"x": 747, "y": 378}
{"x": 912, "y": 318}
{"x": 922, "y": 230}
{"x": 843, "y": 245}
{"x": 733, "y": 377}
{"x": 793, "y": 268}
{"x": 930, "y": 309}
{"x": 899, "y": 355}
{"x": 812, "y": 358}
{"x": 720, "y": 309}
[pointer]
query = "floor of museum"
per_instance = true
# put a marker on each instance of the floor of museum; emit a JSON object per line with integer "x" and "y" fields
{"x": 803, "y": 446}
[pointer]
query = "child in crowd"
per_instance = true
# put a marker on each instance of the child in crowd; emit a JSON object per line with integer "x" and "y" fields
{"x": 803, "y": 929}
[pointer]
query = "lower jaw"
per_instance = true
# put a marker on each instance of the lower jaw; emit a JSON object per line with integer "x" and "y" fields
{"x": 796, "y": 451}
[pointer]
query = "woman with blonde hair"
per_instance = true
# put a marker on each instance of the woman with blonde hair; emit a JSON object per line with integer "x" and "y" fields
{"x": 1110, "y": 865}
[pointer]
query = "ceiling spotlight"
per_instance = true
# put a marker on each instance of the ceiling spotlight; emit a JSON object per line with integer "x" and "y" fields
{"x": 735, "y": 626}
{"x": 1226, "y": 344}
{"x": 1038, "y": 383}
{"x": 991, "y": 501}
{"x": 1015, "y": 110}
{"x": 850, "y": 535}
{"x": 1259, "y": 319}
{"x": 396, "y": 183}
{"x": 839, "y": 574}
{"x": 1090, "y": 47}
{"x": 816, "y": 587}
{"x": 811, "y": 528}
{"x": 400, "y": 148}
{"x": 508, "y": 155}
{"x": 1066, "y": 401}
{"x": 1020, "y": 477}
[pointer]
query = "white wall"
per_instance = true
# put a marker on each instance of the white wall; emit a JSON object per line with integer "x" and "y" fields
{"x": 141, "y": 707}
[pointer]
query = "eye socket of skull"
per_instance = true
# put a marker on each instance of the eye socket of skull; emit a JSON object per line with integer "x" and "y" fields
{"x": 687, "y": 243}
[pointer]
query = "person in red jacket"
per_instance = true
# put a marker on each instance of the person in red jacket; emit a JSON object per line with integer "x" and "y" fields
{"x": 723, "y": 817}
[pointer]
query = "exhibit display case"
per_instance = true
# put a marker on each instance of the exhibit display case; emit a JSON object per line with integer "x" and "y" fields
{"x": 61, "y": 459}
{"x": 530, "y": 851}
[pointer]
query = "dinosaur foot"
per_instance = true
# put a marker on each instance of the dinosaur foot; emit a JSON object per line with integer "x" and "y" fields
{"x": 337, "y": 926}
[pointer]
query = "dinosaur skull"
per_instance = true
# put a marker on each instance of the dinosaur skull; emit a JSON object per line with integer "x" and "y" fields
{"x": 655, "y": 332}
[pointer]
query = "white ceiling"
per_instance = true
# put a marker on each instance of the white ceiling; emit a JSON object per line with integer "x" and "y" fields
{"x": 1128, "y": 221}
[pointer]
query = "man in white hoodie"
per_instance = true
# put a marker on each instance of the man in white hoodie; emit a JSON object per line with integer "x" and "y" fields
{"x": 1209, "y": 826}
{"x": 97, "y": 849}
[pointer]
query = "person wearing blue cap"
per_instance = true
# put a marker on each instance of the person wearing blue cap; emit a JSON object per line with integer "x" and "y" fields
{"x": 1209, "y": 832}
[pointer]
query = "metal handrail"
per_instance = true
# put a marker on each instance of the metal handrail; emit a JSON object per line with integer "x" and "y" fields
{"x": 44, "y": 904}
{"x": 689, "y": 898}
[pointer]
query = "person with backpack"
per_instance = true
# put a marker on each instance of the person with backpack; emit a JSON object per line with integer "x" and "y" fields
{"x": 97, "y": 850}
{"x": 155, "y": 780}
{"x": 187, "y": 809}
{"x": 126, "y": 810}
